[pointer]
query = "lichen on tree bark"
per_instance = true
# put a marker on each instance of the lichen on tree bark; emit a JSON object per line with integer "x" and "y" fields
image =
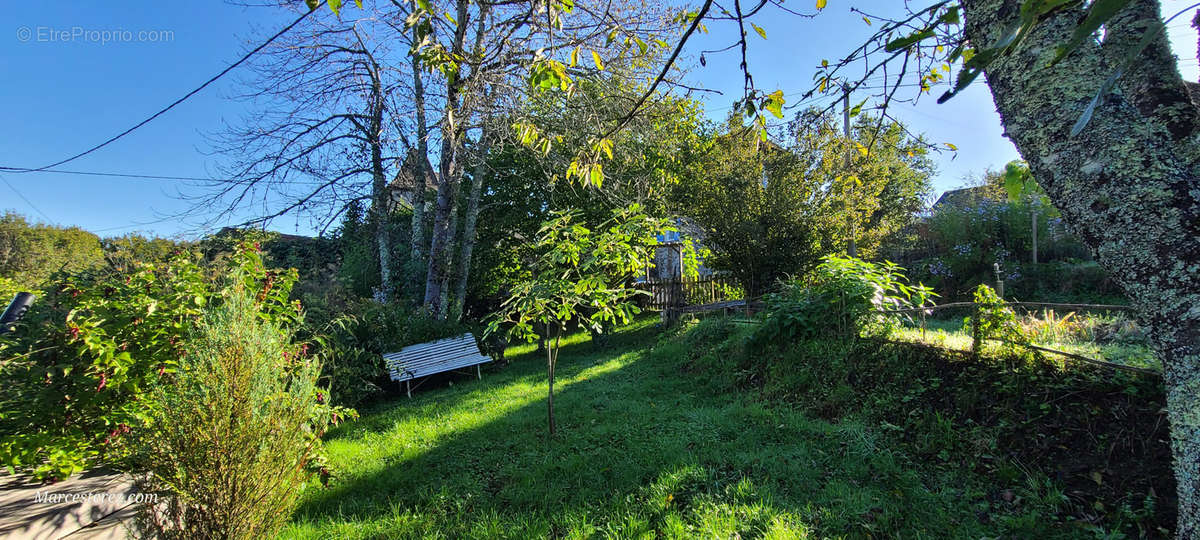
{"x": 1127, "y": 184}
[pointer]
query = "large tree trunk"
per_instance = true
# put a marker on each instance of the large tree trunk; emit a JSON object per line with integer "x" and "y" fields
{"x": 380, "y": 196}
{"x": 453, "y": 118}
{"x": 472, "y": 215}
{"x": 1127, "y": 184}
{"x": 420, "y": 174}
{"x": 448, "y": 270}
{"x": 442, "y": 228}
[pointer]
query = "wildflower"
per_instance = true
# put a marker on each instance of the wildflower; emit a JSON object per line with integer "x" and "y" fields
{"x": 103, "y": 381}
{"x": 121, "y": 429}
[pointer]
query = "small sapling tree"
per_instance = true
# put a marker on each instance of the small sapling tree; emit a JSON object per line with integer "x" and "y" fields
{"x": 582, "y": 274}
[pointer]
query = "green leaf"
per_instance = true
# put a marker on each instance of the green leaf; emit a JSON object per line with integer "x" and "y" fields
{"x": 761, "y": 32}
{"x": 857, "y": 109}
{"x": 1131, "y": 56}
{"x": 774, "y": 103}
{"x": 597, "y": 175}
{"x": 1098, "y": 14}
{"x": 950, "y": 16}
{"x": 575, "y": 57}
{"x": 335, "y": 6}
{"x": 908, "y": 41}
{"x": 1013, "y": 185}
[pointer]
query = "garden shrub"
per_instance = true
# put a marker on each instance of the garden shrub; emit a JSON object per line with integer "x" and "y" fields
{"x": 1063, "y": 281}
{"x": 352, "y": 343}
{"x": 992, "y": 320}
{"x": 10, "y": 287}
{"x": 842, "y": 298}
{"x": 234, "y": 435}
{"x": 78, "y": 368}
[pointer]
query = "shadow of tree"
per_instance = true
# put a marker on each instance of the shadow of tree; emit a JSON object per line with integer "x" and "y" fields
{"x": 642, "y": 450}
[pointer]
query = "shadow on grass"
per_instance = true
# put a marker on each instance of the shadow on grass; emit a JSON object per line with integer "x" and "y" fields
{"x": 642, "y": 449}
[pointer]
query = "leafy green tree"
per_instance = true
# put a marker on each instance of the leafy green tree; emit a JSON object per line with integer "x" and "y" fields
{"x": 768, "y": 210}
{"x": 523, "y": 186}
{"x": 134, "y": 247}
{"x": 584, "y": 275}
{"x": 31, "y": 253}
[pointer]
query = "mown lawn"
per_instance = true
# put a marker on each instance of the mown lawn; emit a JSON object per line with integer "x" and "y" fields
{"x": 643, "y": 451}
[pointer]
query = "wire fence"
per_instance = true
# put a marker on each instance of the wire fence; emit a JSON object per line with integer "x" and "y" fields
{"x": 672, "y": 312}
{"x": 977, "y": 336}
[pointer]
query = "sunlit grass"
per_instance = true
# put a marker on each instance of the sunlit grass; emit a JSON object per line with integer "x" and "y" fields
{"x": 950, "y": 334}
{"x": 645, "y": 450}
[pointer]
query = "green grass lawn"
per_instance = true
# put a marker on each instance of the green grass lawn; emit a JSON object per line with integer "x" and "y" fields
{"x": 643, "y": 451}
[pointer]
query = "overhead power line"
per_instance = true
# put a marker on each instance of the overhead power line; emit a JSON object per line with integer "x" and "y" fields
{"x": 133, "y": 225}
{"x": 118, "y": 175}
{"x": 27, "y": 201}
{"x": 156, "y": 176}
{"x": 176, "y": 102}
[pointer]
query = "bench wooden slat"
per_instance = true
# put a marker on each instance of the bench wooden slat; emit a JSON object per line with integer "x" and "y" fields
{"x": 434, "y": 357}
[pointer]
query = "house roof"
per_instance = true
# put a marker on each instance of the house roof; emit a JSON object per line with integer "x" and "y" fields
{"x": 961, "y": 197}
{"x": 405, "y": 179}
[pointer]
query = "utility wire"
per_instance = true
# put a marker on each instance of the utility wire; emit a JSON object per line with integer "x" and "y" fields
{"x": 178, "y": 101}
{"x": 139, "y": 176}
{"x": 134, "y": 225}
{"x": 119, "y": 175}
{"x": 27, "y": 201}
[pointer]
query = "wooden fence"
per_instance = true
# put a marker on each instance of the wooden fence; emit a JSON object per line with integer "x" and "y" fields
{"x": 673, "y": 293}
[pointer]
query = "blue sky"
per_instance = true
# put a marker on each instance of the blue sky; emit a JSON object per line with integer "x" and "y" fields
{"x": 64, "y": 90}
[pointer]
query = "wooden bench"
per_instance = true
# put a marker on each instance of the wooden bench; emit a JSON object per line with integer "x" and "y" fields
{"x": 439, "y": 356}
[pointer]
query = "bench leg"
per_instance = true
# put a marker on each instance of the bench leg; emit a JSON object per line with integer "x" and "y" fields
{"x": 478, "y": 372}
{"x": 408, "y": 388}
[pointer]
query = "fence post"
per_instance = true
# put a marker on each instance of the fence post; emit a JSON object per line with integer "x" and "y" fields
{"x": 1000, "y": 279}
{"x": 922, "y": 323}
{"x": 975, "y": 337}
